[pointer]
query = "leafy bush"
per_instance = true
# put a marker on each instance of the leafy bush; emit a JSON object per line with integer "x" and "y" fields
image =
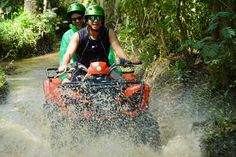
{"x": 220, "y": 138}
{"x": 19, "y": 36}
{"x": 9, "y": 7}
{"x": 216, "y": 50}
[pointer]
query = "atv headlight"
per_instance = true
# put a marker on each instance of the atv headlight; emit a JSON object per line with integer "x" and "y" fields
{"x": 98, "y": 68}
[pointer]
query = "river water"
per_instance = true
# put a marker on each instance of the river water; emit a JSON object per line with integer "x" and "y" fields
{"x": 23, "y": 134}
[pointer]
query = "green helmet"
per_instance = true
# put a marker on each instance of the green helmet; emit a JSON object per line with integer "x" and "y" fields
{"x": 75, "y": 7}
{"x": 94, "y": 10}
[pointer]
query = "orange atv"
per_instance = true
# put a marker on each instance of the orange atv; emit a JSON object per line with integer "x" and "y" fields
{"x": 99, "y": 95}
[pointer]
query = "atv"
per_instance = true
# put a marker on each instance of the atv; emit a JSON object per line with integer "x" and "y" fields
{"x": 98, "y": 97}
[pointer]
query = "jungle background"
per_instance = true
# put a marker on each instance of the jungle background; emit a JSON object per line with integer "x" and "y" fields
{"x": 189, "y": 36}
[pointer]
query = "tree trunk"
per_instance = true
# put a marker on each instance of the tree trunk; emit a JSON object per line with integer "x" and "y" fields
{"x": 214, "y": 7}
{"x": 109, "y": 8}
{"x": 100, "y": 2}
{"x": 116, "y": 8}
{"x": 44, "y": 5}
{"x": 30, "y": 6}
{"x": 181, "y": 25}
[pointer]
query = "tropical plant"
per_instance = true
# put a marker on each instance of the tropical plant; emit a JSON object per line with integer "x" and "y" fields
{"x": 22, "y": 42}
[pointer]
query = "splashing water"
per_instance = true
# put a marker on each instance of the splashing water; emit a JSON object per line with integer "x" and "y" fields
{"x": 24, "y": 134}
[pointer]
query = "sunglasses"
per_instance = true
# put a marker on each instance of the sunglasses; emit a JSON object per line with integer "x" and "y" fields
{"x": 93, "y": 18}
{"x": 77, "y": 18}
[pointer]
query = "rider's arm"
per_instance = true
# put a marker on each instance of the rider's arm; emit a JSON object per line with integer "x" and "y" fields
{"x": 71, "y": 50}
{"x": 116, "y": 45}
{"x": 63, "y": 47}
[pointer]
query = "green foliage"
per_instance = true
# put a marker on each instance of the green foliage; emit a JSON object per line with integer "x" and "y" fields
{"x": 9, "y": 7}
{"x": 180, "y": 65}
{"x": 214, "y": 45}
{"x": 192, "y": 34}
{"x": 230, "y": 88}
{"x": 156, "y": 31}
{"x": 190, "y": 21}
{"x": 220, "y": 138}
{"x": 19, "y": 36}
{"x": 151, "y": 51}
{"x": 2, "y": 78}
{"x": 219, "y": 51}
{"x": 139, "y": 33}
{"x": 227, "y": 33}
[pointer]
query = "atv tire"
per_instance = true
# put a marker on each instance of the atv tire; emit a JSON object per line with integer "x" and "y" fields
{"x": 147, "y": 131}
{"x": 56, "y": 123}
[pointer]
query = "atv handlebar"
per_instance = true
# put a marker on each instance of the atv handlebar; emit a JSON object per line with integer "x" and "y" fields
{"x": 76, "y": 66}
{"x": 124, "y": 63}
{"x": 69, "y": 68}
{"x": 51, "y": 72}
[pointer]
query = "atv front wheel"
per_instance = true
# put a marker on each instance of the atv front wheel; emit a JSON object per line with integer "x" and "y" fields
{"x": 147, "y": 130}
{"x": 56, "y": 122}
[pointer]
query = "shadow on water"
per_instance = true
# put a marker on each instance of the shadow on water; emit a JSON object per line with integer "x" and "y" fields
{"x": 23, "y": 132}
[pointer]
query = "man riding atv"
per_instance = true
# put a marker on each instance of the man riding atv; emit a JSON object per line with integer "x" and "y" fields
{"x": 75, "y": 13}
{"x": 92, "y": 42}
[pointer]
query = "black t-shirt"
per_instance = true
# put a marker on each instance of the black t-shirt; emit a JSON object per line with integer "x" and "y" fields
{"x": 93, "y": 50}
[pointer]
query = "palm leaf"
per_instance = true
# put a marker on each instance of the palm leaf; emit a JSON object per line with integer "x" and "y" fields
{"x": 227, "y": 33}
{"x": 223, "y": 14}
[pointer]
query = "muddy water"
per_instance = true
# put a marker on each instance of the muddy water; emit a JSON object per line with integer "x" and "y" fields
{"x": 20, "y": 115}
{"x": 23, "y": 134}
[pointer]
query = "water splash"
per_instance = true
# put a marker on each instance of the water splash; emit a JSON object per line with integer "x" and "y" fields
{"x": 19, "y": 141}
{"x": 182, "y": 146}
{"x": 23, "y": 134}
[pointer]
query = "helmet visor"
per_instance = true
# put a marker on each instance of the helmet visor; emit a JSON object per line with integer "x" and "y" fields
{"x": 95, "y": 17}
{"x": 76, "y": 18}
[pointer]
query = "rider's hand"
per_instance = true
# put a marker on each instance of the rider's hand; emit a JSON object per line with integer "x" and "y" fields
{"x": 124, "y": 61}
{"x": 62, "y": 68}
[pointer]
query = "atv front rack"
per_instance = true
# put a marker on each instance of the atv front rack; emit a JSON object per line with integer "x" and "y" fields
{"x": 104, "y": 99}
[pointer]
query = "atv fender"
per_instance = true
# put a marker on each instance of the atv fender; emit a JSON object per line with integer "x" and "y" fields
{"x": 144, "y": 103}
{"x": 49, "y": 86}
{"x": 53, "y": 94}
